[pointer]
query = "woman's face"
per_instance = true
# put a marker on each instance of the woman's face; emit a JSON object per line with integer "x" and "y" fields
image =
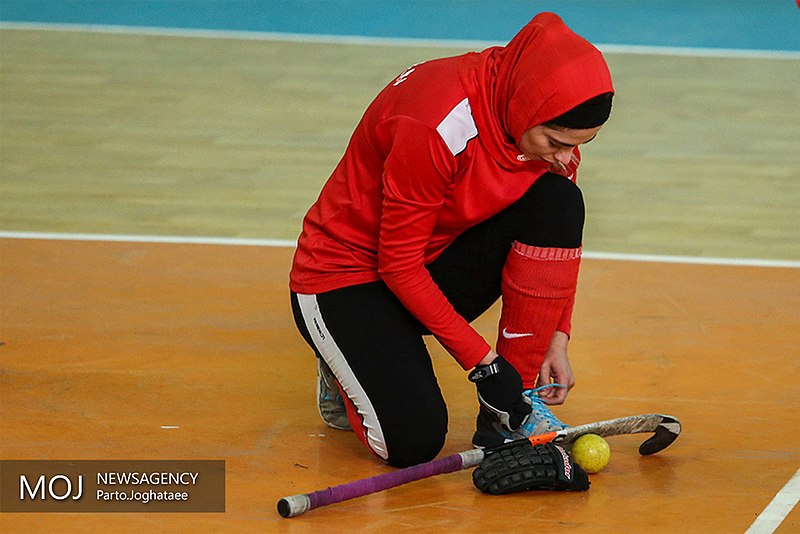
{"x": 553, "y": 144}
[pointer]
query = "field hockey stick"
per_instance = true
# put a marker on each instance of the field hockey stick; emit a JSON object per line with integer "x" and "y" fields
{"x": 665, "y": 427}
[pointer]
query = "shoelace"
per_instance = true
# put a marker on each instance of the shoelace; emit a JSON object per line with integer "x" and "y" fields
{"x": 539, "y": 408}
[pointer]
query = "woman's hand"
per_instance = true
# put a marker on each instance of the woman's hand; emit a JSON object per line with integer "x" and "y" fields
{"x": 556, "y": 369}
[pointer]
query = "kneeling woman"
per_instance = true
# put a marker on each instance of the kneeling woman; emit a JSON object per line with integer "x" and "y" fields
{"x": 457, "y": 188}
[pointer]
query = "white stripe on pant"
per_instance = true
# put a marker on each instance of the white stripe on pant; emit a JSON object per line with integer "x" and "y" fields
{"x": 327, "y": 347}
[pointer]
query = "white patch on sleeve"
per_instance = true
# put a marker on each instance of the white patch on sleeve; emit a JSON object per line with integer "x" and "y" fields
{"x": 458, "y": 127}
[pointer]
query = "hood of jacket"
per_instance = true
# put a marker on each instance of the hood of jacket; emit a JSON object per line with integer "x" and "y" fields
{"x": 543, "y": 72}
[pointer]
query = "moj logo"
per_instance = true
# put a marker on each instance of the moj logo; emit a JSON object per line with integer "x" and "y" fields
{"x": 59, "y": 487}
{"x": 68, "y": 486}
{"x": 44, "y": 486}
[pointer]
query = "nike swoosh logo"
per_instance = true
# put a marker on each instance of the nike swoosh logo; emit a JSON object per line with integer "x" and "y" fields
{"x": 513, "y": 335}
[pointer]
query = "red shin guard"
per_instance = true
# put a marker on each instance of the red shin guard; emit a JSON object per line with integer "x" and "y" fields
{"x": 538, "y": 290}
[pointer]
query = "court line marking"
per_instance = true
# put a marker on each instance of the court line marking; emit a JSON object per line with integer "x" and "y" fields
{"x": 776, "y": 511}
{"x": 387, "y": 41}
{"x": 288, "y": 243}
{"x": 131, "y": 238}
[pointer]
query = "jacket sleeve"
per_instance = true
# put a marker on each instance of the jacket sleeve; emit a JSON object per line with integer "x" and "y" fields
{"x": 418, "y": 170}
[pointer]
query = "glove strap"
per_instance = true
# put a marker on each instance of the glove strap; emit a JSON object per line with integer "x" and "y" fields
{"x": 483, "y": 372}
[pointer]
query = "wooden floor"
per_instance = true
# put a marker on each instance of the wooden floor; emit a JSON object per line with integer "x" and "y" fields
{"x": 142, "y": 134}
{"x": 106, "y": 342}
{"x": 103, "y": 343}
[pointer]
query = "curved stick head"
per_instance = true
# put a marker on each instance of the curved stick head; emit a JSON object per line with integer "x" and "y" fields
{"x": 666, "y": 432}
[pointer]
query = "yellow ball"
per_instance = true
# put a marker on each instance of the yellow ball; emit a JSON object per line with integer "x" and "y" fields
{"x": 591, "y": 452}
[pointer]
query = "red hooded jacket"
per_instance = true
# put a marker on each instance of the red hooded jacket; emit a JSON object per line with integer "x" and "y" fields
{"x": 435, "y": 154}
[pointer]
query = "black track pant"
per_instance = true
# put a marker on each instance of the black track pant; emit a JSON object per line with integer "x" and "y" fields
{"x": 375, "y": 346}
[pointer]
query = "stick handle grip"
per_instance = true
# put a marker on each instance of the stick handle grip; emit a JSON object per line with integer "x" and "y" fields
{"x": 295, "y": 505}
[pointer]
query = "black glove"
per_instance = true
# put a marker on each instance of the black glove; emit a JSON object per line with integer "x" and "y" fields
{"x": 520, "y": 466}
{"x": 500, "y": 391}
